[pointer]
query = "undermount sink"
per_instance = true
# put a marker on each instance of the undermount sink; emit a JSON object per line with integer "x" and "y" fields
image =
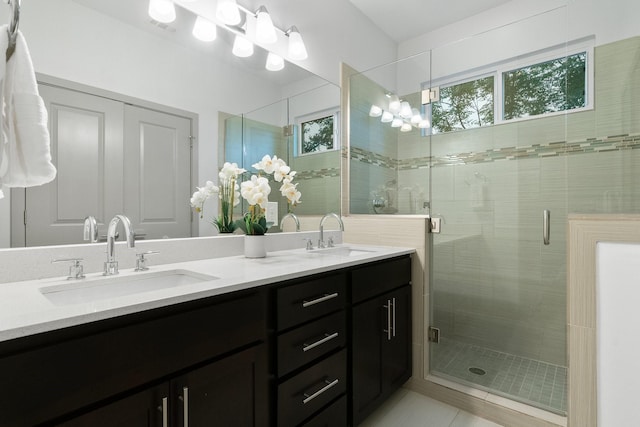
{"x": 101, "y": 288}
{"x": 340, "y": 251}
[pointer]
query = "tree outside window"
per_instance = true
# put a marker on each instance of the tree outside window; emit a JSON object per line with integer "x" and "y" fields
{"x": 464, "y": 106}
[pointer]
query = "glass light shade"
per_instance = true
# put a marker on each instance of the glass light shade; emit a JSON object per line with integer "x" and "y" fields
{"x": 162, "y": 11}
{"x": 274, "y": 62}
{"x": 406, "y": 127}
{"x": 227, "y": 11}
{"x": 415, "y": 116}
{"x": 375, "y": 111}
{"x": 386, "y": 117}
{"x": 242, "y": 47}
{"x": 424, "y": 124}
{"x": 396, "y": 123}
{"x": 405, "y": 110}
{"x": 394, "y": 104}
{"x": 204, "y": 30}
{"x": 265, "y": 31}
{"x": 297, "y": 49}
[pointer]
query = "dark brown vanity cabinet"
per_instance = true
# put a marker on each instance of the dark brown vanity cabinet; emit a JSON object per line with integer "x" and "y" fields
{"x": 311, "y": 353}
{"x": 380, "y": 333}
{"x": 144, "y": 369}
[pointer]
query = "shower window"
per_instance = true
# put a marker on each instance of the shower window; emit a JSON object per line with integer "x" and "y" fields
{"x": 464, "y": 105}
{"x": 546, "y": 87}
{"x": 318, "y": 132}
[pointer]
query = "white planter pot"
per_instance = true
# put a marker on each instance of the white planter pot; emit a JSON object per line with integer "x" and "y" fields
{"x": 255, "y": 246}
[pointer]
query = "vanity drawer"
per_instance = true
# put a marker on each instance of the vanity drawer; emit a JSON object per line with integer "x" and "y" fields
{"x": 306, "y": 343}
{"x": 312, "y": 389}
{"x": 376, "y": 279}
{"x": 333, "y": 416}
{"x": 311, "y": 299}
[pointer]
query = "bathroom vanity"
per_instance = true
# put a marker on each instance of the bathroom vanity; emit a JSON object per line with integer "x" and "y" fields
{"x": 322, "y": 341}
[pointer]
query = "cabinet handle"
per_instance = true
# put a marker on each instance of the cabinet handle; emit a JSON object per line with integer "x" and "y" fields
{"x": 185, "y": 406}
{"x": 388, "y": 330}
{"x": 309, "y": 397}
{"x": 394, "y": 317}
{"x": 327, "y": 337}
{"x": 165, "y": 412}
{"x": 324, "y": 298}
{"x": 546, "y": 226}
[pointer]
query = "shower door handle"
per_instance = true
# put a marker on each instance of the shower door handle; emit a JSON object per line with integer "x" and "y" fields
{"x": 546, "y": 226}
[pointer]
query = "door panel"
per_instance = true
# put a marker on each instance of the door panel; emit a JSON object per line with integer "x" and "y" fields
{"x": 157, "y": 173}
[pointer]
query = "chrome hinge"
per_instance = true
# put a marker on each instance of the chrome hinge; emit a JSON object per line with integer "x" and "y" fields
{"x": 430, "y": 95}
{"x": 434, "y": 225}
{"x": 433, "y": 335}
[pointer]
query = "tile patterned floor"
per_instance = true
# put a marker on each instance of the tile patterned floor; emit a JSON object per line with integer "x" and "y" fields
{"x": 536, "y": 383}
{"x": 410, "y": 409}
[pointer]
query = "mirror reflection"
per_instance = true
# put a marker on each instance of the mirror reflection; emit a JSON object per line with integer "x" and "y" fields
{"x": 142, "y": 113}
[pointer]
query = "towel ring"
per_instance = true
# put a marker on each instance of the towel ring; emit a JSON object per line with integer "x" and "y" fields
{"x": 12, "y": 29}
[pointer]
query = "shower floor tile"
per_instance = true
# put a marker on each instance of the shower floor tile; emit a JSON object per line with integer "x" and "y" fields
{"x": 537, "y": 383}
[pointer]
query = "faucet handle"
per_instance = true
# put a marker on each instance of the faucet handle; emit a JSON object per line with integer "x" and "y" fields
{"x": 141, "y": 261}
{"x": 76, "y": 270}
{"x": 309, "y": 243}
{"x": 330, "y": 242}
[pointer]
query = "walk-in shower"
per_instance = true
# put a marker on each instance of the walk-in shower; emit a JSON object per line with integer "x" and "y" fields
{"x": 505, "y": 134}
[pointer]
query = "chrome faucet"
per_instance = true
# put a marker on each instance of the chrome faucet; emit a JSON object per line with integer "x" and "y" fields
{"x": 321, "y": 243}
{"x": 90, "y": 229}
{"x": 111, "y": 266}
{"x": 295, "y": 219}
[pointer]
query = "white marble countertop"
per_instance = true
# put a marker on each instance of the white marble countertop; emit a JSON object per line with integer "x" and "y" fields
{"x": 24, "y": 310}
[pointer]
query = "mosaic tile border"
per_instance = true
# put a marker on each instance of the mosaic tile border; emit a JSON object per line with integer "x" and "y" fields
{"x": 550, "y": 149}
{"x": 318, "y": 173}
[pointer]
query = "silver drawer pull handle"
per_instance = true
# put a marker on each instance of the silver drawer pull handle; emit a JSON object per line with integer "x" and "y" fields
{"x": 165, "y": 412}
{"x": 327, "y": 337}
{"x": 324, "y": 298}
{"x": 308, "y": 398}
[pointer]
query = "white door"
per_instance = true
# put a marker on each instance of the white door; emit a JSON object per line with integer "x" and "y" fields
{"x": 157, "y": 184}
{"x": 86, "y": 147}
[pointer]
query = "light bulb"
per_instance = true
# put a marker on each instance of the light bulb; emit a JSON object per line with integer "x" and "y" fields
{"x": 162, "y": 11}
{"x": 415, "y": 116}
{"x": 397, "y": 122}
{"x": 386, "y": 117}
{"x": 394, "y": 104}
{"x": 274, "y": 62}
{"x": 405, "y": 110}
{"x": 265, "y": 31}
{"x": 406, "y": 127}
{"x": 242, "y": 47}
{"x": 204, "y": 30}
{"x": 297, "y": 49}
{"x": 375, "y": 111}
{"x": 227, "y": 11}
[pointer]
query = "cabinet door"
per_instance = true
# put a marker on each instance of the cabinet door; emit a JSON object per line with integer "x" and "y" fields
{"x": 230, "y": 392}
{"x": 381, "y": 349}
{"x": 147, "y": 408}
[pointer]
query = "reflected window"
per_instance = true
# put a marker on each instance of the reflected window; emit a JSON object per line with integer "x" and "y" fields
{"x": 464, "y": 105}
{"x": 318, "y": 132}
{"x": 547, "y": 87}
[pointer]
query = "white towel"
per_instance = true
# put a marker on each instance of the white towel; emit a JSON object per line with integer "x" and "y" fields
{"x": 25, "y": 156}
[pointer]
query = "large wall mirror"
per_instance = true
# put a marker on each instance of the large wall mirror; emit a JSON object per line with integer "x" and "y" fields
{"x": 158, "y": 86}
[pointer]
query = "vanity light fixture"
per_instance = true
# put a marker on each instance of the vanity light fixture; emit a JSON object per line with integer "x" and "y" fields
{"x": 405, "y": 110}
{"x": 297, "y": 49}
{"x": 416, "y": 117}
{"x": 406, "y": 127}
{"x": 204, "y": 30}
{"x": 375, "y": 111}
{"x": 265, "y": 31}
{"x": 227, "y": 11}
{"x": 162, "y": 11}
{"x": 396, "y": 122}
{"x": 394, "y": 104}
{"x": 242, "y": 47}
{"x": 274, "y": 62}
{"x": 424, "y": 124}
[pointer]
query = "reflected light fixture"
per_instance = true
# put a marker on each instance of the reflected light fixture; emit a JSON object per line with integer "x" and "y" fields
{"x": 405, "y": 110}
{"x": 297, "y": 49}
{"x": 415, "y": 116}
{"x": 375, "y": 111}
{"x": 406, "y": 127}
{"x": 227, "y": 11}
{"x": 265, "y": 31}
{"x": 274, "y": 62}
{"x": 204, "y": 30}
{"x": 394, "y": 104}
{"x": 386, "y": 117}
{"x": 162, "y": 11}
{"x": 396, "y": 122}
{"x": 242, "y": 47}
{"x": 424, "y": 124}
